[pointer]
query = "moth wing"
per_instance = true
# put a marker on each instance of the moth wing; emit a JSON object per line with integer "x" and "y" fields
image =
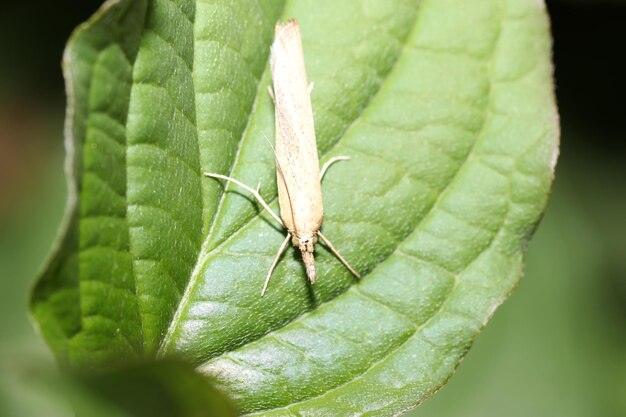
{"x": 299, "y": 189}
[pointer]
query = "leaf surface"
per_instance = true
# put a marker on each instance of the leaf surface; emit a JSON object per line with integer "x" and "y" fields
{"x": 448, "y": 113}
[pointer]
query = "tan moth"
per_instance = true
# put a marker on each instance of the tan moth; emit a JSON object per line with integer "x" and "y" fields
{"x": 298, "y": 175}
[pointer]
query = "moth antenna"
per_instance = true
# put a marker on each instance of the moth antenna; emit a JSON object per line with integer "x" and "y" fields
{"x": 282, "y": 176}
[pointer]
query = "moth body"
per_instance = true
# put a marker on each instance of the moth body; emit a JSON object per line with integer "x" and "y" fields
{"x": 297, "y": 173}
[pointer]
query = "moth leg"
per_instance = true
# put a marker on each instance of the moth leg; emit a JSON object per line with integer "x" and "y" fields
{"x": 281, "y": 250}
{"x": 337, "y": 254}
{"x": 330, "y": 162}
{"x": 270, "y": 91}
{"x": 311, "y": 85}
{"x": 252, "y": 191}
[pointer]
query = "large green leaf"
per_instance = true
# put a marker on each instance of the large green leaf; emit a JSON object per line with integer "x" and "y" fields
{"x": 447, "y": 110}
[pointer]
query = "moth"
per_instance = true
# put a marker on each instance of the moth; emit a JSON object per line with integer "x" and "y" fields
{"x": 298, "y": 174}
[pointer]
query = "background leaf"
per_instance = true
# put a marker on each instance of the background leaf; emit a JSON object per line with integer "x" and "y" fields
{"x": 160, "y": 388}
{"x": 449, "y": 116}
{"x": 157, "y": 389}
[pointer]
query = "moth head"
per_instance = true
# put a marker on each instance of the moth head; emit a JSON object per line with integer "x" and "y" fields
{"x": 304, "y": 241}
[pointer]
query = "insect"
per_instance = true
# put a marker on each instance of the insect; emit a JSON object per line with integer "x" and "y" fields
{"x": 298, "y": 175}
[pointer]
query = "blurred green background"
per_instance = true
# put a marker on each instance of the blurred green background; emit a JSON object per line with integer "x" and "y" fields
{"x": 556, "y": 348}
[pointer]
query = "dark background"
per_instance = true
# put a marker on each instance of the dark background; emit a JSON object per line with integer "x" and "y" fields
{"x": 556, "y": 348}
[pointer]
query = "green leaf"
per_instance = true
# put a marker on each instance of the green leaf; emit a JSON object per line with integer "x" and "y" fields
{"x": 448, "y": 113}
